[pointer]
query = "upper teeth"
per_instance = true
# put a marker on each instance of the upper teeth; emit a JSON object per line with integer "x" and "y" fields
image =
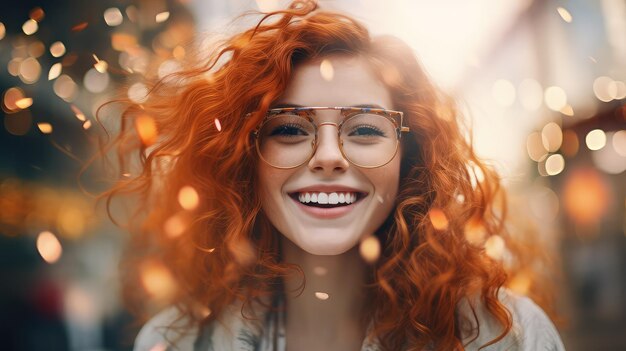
{"x": 327, "y": 198}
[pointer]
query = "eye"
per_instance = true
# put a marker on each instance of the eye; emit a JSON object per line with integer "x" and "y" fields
{"x": 366, "y": 130}
{"x": 288, "y": 130}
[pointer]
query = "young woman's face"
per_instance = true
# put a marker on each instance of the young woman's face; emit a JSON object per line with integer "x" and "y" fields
{"x": 324, "y": 230}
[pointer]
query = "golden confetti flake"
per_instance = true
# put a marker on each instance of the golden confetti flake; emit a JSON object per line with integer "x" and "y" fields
{"x": 326, "y": 70}
{"x": 175, "y": 226}
{"x": 494, "y": 247}
{"x": 3, "y": 31}
{"x": 157, "y": 280}
{"x": 57, "y": 49}
{"x": 11, "y": 96}
{"x": 24, "y": 103}
{"x": 49, "y": 247}
{"x": 370, "y": 249}
{"x": 321, "y": 295}
{"x": 188, "y": 198}
{"x": 162, "y": 17}
{"x": 218, "y": 125}
{"x": 565, "y": 15}
{"x": 30, "y": 27}
{"x": 44, "y": 127}
{"x": 80, "y": 27}
{"x": 113, "y": 17}
{"x": 147, "y": 129}
{"x": 438, "y": 219}
{"x": 87, "y": 125}
{"x": 78, "y": 113}
{"x": 55, "y": 71}
{"x": 37, "y": 14}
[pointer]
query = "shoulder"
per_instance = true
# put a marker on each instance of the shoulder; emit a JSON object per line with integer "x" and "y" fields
{"x": 532, "y": 329}
{"x": 167, "y": 329}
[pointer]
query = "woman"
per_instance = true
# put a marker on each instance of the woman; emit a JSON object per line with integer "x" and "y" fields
{"x": 338, "y": 208}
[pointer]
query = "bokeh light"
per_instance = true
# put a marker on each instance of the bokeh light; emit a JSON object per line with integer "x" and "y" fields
{"x": 49, "y": 247}
{"x": 113, "y": 17}
{"x": 555, "y": 98}
{"x": 438, "y": 219}
{"x": 595, "y": 139}
{"x": 326, "y": 70}
{"x": 370, "y": 249}
{"x": 188, "y": 198}
{"x": 585, "y": 196}
{"x": 551, "y": 137}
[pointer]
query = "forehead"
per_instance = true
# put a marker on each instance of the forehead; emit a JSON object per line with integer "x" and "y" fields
{"x": 351, "y": 83}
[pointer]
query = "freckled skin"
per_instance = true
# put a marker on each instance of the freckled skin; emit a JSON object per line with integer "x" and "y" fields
{"x": 353, "y": 83}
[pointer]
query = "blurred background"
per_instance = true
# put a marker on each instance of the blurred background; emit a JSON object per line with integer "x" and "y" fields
{"x": 543, "y": 84}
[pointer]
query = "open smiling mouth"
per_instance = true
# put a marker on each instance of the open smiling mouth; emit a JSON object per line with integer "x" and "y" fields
{"x": 327, "y": 199}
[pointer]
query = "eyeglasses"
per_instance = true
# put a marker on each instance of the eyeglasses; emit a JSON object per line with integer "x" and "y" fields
{"x": 368, "y": 137}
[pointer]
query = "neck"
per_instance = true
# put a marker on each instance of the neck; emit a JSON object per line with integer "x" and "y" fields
{"x": 338, "y": 320}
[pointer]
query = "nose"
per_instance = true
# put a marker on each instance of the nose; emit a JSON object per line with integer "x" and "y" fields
{"x": 328, "y": 158}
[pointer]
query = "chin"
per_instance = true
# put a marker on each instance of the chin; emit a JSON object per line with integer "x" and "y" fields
{"x": 326, "y": 247}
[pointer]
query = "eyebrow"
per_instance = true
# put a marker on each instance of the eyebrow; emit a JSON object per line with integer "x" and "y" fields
{"x": 288, "y": 105}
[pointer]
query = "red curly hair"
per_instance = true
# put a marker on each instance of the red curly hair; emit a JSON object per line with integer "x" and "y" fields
{"x": 227, "y": 251}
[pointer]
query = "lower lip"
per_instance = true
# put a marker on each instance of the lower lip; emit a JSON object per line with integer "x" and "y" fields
{"x": 326, "y": 213}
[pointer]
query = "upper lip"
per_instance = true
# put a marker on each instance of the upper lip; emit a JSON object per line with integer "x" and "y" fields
{"x": 326, "y": 188}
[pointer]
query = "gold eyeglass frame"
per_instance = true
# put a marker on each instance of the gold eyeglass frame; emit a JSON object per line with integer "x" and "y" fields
{"x": 347, "y": 113}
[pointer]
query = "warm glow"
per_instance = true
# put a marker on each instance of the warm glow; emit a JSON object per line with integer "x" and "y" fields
{"x": 321, "y": 295}
{"x": 138, "y": 93}
{"x": 96, "y": 81}
{"x": 30, "y": 70}
{"x": 326, "y": 70}
{"x": 57, "y": 49}
{"x": 101, "y": 66}
{"x": 370, "y": 249}
{"x": 619, "y": 142}
{"x": 568, "y": 110}
{"x": 268, "y": 5}
{"x": 3, "y": 31}
{"x": 535, "y": 147}
{"x": 521, "y": 283}
{"x": 188, "y": 198}
{"x": 608, "y": 159}
{"x": 530, "y": 94}
{"x": 321, "y": 271}
{"x": 78, "y": 113}
{"x": 45, "y": 128}
{"x": 30, "y": 27}
{"x": 595, "y": 139}
{"x": 49, "y": 247}
{"x": 585, "y": 196}
{"x": 178, "y": 53}
{"x": 113, "y": 17}
{"x": 157, "y": 280}
{"x": 65, "y": 88}
{"x": 551, "y": 137}
{"x": 494, "y": 247}
{"x": 147, "y": 129}
{"x": 87, "y": 125}
{"x": 475, "y": 232}
{"x": 503, "y": 92}
{"x": 11, "y": 96}
{"x": 175, "y": 226}
{"x": 602, "y": 88}
{"x": 555, "y": 164}
{"x": 438, "y": 219}
{"x": 544, "y": 203}
{"x": 555, "y": 98}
